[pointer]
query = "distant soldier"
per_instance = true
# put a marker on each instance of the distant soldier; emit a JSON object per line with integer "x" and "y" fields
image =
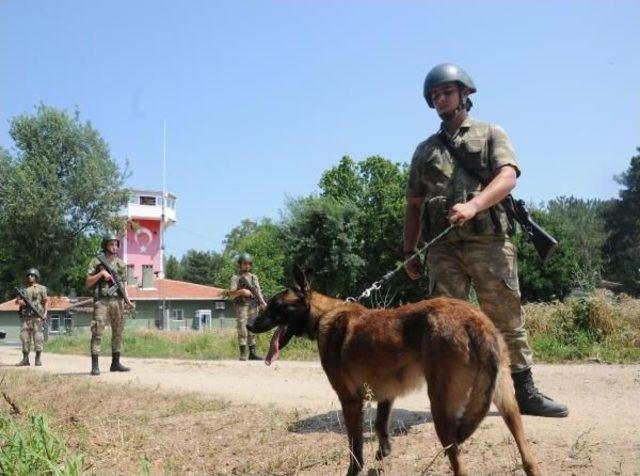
{"x": 32, "y": 323}
{"x": 446, "y": 187}
{"x": 246, "y": 303}
{"x": 107, "y": 308}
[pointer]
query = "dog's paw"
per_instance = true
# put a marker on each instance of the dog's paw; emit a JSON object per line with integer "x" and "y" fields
{"x": 384, "y": 450}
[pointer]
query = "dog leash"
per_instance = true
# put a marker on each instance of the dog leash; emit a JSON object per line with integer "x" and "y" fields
{"x": 377, "y": 285}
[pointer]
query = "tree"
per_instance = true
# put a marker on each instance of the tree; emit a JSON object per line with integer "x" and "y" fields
{"x": 60, "y": 187}
{"x": 623, "y": 224}
{"x": 201, "y": 267}
{"x": 321, "y": 233}
{"x": 172, "y": 268}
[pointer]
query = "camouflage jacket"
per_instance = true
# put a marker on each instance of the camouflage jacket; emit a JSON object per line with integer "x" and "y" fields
{"x": 37, "y": 294}
{"x": 252, "y": 279}
{"x": 100, "y": 290}
{"x": 438, "y": 177}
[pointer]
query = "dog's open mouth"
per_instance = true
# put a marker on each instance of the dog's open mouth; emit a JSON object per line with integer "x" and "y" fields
{"x": 274, "y": 346}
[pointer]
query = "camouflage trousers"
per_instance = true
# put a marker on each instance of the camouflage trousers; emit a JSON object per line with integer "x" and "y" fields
{"x": 31, "y": 329}
{"x": 245, "y": 312}
{"x": 108, "y": 311}
{"x": 490, "y": 266}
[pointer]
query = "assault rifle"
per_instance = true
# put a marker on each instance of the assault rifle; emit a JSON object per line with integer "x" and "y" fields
{"x": 543, "y": 242}
{"x": 243, "y": 283}
{"x": 118, "y": 287}
{"x": 21, "y": 294}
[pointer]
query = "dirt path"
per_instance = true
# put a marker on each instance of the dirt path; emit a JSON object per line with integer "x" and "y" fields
{"x": 599, "y": 437}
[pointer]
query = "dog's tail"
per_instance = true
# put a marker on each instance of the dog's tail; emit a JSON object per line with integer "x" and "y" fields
{"x": 485, "y": 354}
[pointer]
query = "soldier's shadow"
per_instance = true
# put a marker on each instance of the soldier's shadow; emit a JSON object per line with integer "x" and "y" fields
{"x": 400, "y": 422}
{"x": 72, "y": 374}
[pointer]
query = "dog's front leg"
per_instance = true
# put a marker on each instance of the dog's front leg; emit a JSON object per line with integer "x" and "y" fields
{"x": 352, "y": 412}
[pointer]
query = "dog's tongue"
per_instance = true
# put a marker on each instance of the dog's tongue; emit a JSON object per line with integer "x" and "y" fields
{"x": 274, "y": 346}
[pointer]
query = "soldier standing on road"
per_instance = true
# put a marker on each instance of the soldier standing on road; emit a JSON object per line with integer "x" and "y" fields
{"x": 107, "y": 309}
{"x": 478, "y": 251}
{"x": 32, "y": 323}
{"x": 246, "y": 304}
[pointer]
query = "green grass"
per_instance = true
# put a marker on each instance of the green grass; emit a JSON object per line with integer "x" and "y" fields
{"x": 210, "y": 345}
{"x": 28, "y": 446}
{"x": 599, "y": 327}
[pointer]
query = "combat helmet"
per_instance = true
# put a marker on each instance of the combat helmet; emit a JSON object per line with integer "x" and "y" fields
{"x": 446, "y": 73}
{"x": 106, "y": 238}
{"x": 244, "y": 257}
{"x": 35, "y": 272}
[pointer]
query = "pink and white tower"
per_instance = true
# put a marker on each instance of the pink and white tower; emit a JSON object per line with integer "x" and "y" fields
{"x": 148, "y": 216}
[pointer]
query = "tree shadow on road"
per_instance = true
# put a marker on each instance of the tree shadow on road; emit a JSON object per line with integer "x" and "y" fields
{"x": 400, "y": 422}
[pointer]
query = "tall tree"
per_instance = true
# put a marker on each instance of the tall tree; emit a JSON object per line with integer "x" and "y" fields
{"x": 201, "y": 267}
{"x": 172, "y": 268}
{"x": 623, "y": 224}
{"x": 59, "y": 187}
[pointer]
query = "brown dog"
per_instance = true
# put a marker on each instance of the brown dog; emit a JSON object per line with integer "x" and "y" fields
{"x": 448, "y": 342}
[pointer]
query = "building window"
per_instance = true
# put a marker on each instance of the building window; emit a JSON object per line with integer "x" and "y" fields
{"x": 147, "y": 200}
{"x": 68, "y": 324}
{"x": 219, "y": 305}
{"x": 54, "y": 324}
{"x": 177, "y": 314}
{"x": 131, "y": 277}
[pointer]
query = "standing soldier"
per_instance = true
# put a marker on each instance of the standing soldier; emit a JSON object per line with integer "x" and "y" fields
{"x": 246, "y": 302}
{"x": 444, "y": 188}
{"x": 32, "y": 323}
{"x": 107, "y": 308}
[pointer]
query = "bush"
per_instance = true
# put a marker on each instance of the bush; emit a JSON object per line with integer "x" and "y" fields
{"x": 31, "y": 447}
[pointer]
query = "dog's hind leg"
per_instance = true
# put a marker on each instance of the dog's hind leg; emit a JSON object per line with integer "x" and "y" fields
{"x": 352, "y": 412}
{"x": 505, "y": 400}
{"x": 449, "y": 385}
{"x": 382, "y": 428}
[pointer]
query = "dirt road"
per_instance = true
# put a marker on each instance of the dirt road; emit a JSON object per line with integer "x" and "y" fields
{"x": 599, "y": 437}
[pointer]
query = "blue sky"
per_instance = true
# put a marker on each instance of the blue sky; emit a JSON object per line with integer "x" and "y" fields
{"x": 261, "y": 97}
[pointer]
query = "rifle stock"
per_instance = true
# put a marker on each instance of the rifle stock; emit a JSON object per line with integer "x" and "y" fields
{"x": 543, "y": 242}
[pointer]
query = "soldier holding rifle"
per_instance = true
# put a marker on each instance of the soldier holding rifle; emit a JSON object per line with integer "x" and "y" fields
{"x": 106, "y": 278}
{"x": 33, "y": 303}
{"x": 245, "y": 290}
{"x": 463, "y": 175}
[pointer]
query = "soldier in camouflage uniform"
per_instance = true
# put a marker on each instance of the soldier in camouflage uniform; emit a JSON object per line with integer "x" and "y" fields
{"x": 32, "y": 324}
{"x": 106, "y": 309}
{"x": 478, "y": 251}
{"x": 246, "y": 305}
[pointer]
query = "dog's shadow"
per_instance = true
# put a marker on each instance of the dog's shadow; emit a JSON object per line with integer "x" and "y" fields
{"x": 400, "y": 422}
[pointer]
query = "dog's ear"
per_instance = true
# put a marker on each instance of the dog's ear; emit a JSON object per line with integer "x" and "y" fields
{"x": 300, "y": 281}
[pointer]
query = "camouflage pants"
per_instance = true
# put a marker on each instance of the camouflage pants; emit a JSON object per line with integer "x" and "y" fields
{"x": 31, "y": 329}
{"x": 490, "y": 266}
{"x": 111, "y": 312}
{"x": 244, "y": 312}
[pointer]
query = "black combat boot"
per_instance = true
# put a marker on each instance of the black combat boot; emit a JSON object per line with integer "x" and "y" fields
{"x": 252, "y": 353}
{"x": 243, "y": 352}
{"x": 38, "y": 355}
{"x": 95, "y": 368}
{"x": 116, "y": 366}
{"x": 531, "y": 401}
{"x": 25, "y": 360}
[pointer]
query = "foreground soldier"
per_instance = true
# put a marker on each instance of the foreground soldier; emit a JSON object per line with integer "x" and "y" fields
{"x": 107, "y": 308}
{"x": 246, "y": 304}
{"x": 442, "y": 190}
{"x": 32, "y": 323}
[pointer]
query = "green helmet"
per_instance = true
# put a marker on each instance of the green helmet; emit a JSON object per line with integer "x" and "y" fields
{"x": 244, "y": 257}
{"x": 446, "y": 73}
{"x": 35, "y": 272}
{"x": 106, "y": 238}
